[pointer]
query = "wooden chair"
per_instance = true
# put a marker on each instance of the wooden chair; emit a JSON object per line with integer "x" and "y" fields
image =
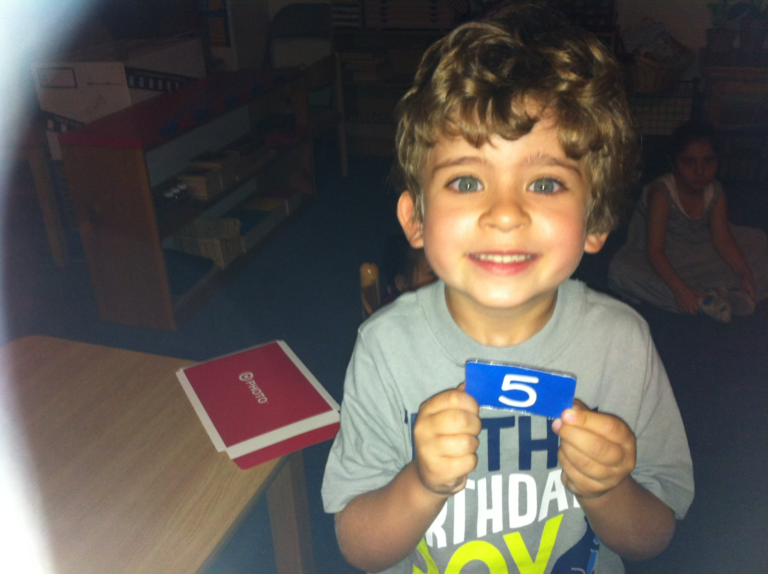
{"x": 300, "y": 35}
{"x": 370, "y": 291}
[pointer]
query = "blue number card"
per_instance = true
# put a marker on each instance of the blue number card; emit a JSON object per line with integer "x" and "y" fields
{"x": 511, "y": 387}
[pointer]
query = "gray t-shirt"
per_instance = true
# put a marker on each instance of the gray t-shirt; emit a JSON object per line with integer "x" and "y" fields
{"x": 514, "y": 511}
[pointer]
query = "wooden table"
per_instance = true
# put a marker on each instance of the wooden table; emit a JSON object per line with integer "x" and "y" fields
{"x": 129, "y": 479}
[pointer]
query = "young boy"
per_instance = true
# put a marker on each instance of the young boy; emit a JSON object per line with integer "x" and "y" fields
{"x": 516, "y": 143}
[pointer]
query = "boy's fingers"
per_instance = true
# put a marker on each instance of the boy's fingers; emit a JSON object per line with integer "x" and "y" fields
{"x": 458, "y": 445}
{"x": 594, "y": 455}
{"x": 448, "y": 475}
{"x": 607, "y": 426}
{"x": 577, "y": 406}
{"x": 598, "y": 459}
{"x": 450, "y": 399}
{"x": 578, "y": 483}
{"x": 456, "y": 421}
{"x": 435, "y": 426}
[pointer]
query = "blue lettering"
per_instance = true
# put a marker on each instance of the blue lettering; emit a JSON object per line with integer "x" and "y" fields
{"x": 494, "y": 426}
{"x": 528, "y": 445}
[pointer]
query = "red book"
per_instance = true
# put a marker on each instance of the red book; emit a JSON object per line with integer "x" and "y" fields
{"x": 260, "y": 403}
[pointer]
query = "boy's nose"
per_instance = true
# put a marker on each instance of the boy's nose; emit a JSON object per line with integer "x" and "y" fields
{"x": 505, "y": 212}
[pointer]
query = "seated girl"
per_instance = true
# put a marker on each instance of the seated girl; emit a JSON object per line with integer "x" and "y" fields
{"x": 681, "y": 254}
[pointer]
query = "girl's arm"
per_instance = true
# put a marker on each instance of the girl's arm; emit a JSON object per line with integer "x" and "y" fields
{"x": 726, "y": 246}
{"x": 687, "y": 299}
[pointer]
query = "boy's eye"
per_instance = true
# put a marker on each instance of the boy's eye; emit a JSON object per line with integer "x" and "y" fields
{"x": 466, "y": 184}
{"x": 546, "y": 185}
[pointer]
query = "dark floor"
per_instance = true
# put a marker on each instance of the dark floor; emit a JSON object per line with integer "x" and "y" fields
{"x": 303, "y": 286}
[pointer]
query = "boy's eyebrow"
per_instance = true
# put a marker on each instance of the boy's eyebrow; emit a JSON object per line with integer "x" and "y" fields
{"x": 452, "y": 162}
{"x": 546, "y": 159}
{"x": 537, "y": 159}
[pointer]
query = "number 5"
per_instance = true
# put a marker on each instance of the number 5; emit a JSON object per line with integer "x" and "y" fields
{"x": 514, "y": 383}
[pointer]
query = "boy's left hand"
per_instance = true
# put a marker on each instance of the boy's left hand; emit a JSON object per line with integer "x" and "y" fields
{"x": 597, "y": 450}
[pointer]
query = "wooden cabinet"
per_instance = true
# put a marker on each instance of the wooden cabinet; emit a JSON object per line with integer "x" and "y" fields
{"x": 116, "y": 164}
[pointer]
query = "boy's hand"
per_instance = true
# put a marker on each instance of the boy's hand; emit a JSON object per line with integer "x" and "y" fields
{"x": 597, "y": 450}
{"x": 445, "y": 438}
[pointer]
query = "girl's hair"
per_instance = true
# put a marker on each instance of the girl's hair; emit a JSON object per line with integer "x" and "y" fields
{"x": 688, "y": 133}
{"x": 499, "y": 76}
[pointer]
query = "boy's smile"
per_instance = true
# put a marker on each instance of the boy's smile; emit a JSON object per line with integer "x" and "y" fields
{"x": 504, "y": 225}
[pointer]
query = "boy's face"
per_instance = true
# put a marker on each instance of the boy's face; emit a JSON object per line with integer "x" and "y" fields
{"x": 504, "y": 225}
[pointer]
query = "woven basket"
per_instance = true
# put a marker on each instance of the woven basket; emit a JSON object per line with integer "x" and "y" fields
{"x": 217, "y": 239}
{"x": 647, "y": 75}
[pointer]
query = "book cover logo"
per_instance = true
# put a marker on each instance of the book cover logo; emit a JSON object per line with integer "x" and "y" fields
{"x": 247, "y": 378}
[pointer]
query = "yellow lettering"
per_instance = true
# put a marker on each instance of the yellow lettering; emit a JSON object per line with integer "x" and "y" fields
{"x": 478, "y": 550}
{"x": 520, "y": 553}
{"x": 431, "y": 566}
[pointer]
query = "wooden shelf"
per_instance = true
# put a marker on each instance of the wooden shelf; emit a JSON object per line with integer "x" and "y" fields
{"x": 195, "y": 208}
{"x": 114, "y": 163}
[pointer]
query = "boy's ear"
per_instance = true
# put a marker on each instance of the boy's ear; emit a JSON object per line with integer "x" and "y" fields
{"x": 594, "y": 242}
{"x": 413, "y": 228}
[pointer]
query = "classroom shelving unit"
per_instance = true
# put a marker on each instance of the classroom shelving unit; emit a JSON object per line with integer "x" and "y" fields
{"x": 116, "y": 164}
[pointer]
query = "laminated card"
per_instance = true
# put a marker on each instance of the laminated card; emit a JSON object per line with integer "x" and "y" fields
{"x": 260, "y": 403}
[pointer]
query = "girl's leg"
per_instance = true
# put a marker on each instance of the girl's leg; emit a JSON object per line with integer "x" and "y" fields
{"x": 631, "y": 276}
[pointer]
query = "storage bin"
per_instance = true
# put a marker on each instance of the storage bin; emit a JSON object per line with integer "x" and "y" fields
{"x": 216, "y": 239}
{"x": 204, "y": 183}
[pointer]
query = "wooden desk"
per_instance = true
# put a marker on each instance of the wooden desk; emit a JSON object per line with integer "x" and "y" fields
{"x": 129, "y": 479}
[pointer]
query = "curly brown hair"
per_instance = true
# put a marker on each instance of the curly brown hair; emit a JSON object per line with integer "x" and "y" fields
{"x": 499, "y": 76}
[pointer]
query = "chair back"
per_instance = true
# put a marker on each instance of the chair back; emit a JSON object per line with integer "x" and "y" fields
{"x": 302, "y": 20}
{"x": 370, "y": 291}
{"x": 321, "y": 73}
{"x": 300, "y": 34}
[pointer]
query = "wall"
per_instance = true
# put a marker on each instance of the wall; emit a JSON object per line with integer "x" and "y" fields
{"x": 685, "y": 19}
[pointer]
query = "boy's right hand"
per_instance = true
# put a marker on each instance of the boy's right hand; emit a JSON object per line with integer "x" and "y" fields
{"x": 445, "y": 439}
